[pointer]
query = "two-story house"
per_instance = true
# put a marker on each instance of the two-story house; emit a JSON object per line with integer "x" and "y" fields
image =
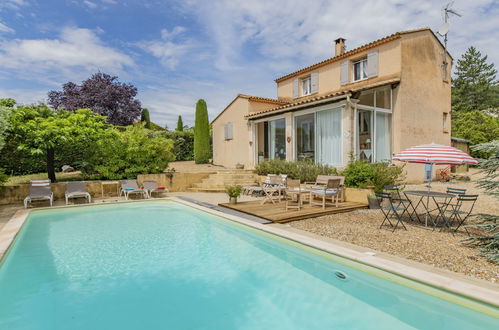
{"x": 370, "y": 102}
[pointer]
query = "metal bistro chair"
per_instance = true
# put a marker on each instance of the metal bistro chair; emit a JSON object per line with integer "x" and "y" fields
{"x": 394, "y": 191}
{"x": 390, "y": 209}
{"x": 459, "y": 213}
{"x": 452, "y": 191}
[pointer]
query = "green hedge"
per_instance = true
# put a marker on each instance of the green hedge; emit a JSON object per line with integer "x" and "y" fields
{"x": 183, "y": 143}
{"x": 22, "y": 162}
{"x": 358, "y": 174}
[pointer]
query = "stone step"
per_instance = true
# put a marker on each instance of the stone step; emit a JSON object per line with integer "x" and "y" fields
{"x": 227, "y": 181}
{"x": 213, "y": 190}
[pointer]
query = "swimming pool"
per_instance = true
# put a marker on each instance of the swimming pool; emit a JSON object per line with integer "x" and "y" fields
{"x": 164, "y": 265}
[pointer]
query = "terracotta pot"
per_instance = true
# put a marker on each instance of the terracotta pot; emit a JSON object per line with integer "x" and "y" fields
{"x": 232, "y": 200}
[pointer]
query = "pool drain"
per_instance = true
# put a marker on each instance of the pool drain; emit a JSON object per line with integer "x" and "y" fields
{"x": 340, "y": 275}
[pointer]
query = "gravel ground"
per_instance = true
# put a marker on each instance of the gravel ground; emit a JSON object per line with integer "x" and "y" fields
{"x": 439, "y": 249}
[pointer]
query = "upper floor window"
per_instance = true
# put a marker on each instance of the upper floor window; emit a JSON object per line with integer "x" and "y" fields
{"x": 306, "y": 86}
{"x": 360, "y": 69}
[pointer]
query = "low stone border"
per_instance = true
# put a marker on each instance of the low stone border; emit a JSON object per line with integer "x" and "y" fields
{"x": 472, "y": 293}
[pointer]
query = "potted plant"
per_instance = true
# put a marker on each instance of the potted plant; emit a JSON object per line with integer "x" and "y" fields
{"x": 373, "y": 201}
{"x": 234, "y": 192}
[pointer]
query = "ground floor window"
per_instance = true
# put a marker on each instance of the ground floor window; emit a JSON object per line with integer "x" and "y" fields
{"x": 305, "y": 137}
{"x": 277, "y": 139}
{"x": 328, "y": 137}
{"x": 373, "y": 135}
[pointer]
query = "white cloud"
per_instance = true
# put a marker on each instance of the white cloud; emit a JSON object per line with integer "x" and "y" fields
{"x": 166, "y": 49}
{"x": 77, "y": 51}
{"x": 5, "y": 28}
{"x": 12, "y": 4}
{"x": 110, "y": 2}
{"x": 303, "y": 32}
{"x": 90, "y": 4}
{"x": 25, "y": 96}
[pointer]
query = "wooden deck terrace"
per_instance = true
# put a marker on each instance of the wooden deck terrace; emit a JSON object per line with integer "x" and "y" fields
{"x": 277, "y": 212}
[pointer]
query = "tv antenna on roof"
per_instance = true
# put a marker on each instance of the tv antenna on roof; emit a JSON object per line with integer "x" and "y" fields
{"x": 447, "y": 11}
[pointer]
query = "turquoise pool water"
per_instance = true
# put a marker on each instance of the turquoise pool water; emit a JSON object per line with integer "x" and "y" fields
{"x": 163, "y": 265}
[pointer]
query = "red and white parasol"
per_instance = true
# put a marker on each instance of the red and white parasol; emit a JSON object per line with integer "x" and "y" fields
{"x": 435, "y": 154}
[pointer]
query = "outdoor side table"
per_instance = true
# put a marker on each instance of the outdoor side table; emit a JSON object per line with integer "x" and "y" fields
{"x": 105, "y": 183}
{"x": 424, "y": 200}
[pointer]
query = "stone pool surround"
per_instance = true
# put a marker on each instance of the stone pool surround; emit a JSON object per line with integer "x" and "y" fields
{"x": 472, "y": 293}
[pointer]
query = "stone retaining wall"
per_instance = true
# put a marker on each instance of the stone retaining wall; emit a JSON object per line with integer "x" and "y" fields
{"x": 175, "y": 182}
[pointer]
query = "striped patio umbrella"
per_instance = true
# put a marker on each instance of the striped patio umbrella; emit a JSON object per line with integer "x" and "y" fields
{"x": 435, "y": 154}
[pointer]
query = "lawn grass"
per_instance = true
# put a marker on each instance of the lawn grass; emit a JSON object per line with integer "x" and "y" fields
{"x": 15, "y": 180}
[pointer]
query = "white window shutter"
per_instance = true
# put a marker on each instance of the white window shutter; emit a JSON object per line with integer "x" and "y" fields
{"x": 231, "y": 136}
{"x": 296, "y": 84}
{"x": 226, "y": 132}
{"x": 344, "y": 73}
{"x": 314, "y": 79}
{"x": 372, "y": 64}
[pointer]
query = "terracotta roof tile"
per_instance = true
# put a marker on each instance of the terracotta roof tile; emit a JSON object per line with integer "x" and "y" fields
{"x": 368, "y": 84}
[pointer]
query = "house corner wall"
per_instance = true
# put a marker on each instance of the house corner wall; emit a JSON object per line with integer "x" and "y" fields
{"x": 421, "y": 99}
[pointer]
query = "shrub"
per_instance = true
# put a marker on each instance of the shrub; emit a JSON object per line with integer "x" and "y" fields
{"x": 487, "y": 240}
{"x": 202, "y": 148}
{"x": 360, "y": 174}
{"x": 145, "y": 118}
{"x": 3, "y": 177}
{"x": 125, "y": 154}
{"x": 233, "y": 191}
{"x": 183, "y": 143}
{"x": 304, "y": 171}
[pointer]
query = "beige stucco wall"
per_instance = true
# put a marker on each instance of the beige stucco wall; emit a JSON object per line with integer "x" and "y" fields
{"x": 177, "y": 182}
{"x": 230, "y": 152}
{"x": 329, "y": 75}
{"x": 421, "y": 98}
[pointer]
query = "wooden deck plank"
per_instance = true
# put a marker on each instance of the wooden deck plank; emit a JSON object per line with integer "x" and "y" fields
{"x": 277, "y": 212}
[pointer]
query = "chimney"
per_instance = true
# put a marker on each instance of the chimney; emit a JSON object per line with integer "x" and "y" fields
{"x": 339, "y": 47}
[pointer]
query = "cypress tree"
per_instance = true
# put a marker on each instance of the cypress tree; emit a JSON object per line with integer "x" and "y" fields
{"x": 180, "y": 124}
{"x": 202, "y": 150}
{"x": 475, "y": 84}
{"x": 144, "y": 117}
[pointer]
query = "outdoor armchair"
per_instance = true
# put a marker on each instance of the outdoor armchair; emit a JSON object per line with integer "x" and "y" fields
{"x": 293, "y": 191}
{"x": 39, "y": 190}
{"x": 275, "y": 185}
{"x": 331, "y": 189}
{"x": 76, "y": 189}
{"x": 322, "y": 180}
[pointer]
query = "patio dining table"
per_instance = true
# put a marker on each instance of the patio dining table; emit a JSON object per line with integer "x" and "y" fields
{"x": 425, "y": 196}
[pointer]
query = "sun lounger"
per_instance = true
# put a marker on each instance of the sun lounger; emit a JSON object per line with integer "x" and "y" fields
{"x": 39, "y": 190}
{"x": 151, "y": 187}
{"x": 130, "y": 187}
{"x": 76, "y": 189}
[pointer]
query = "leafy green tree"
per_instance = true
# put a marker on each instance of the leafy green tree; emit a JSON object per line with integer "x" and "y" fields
{"x": 202, "y": 148}
{"x": 488, "y": 239}
{"x": 476, "y": 126}
{"x": 42, "y": 130}
{"x": 474, "y": 86}
{"x": 8, "y": 102}
{"x": 145, "y": 118}
{"x": 180, "y": 124}
{"x": 128, "y": 153}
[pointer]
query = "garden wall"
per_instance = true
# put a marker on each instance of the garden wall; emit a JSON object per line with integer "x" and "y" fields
{"x": 175, "y": 182}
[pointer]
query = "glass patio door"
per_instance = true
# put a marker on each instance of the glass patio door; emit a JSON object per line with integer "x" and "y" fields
{"x": 277, "y": 139}
{"x": 305, "y": 137}
{"x": 328, "y": 137}
{"x": 364, "y": 137}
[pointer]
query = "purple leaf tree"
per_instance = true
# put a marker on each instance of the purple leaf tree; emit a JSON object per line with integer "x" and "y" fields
{"x": 102, "y": 93}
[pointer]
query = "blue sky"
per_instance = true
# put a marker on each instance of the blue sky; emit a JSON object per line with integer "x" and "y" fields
{"x": 176, "y": 52}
